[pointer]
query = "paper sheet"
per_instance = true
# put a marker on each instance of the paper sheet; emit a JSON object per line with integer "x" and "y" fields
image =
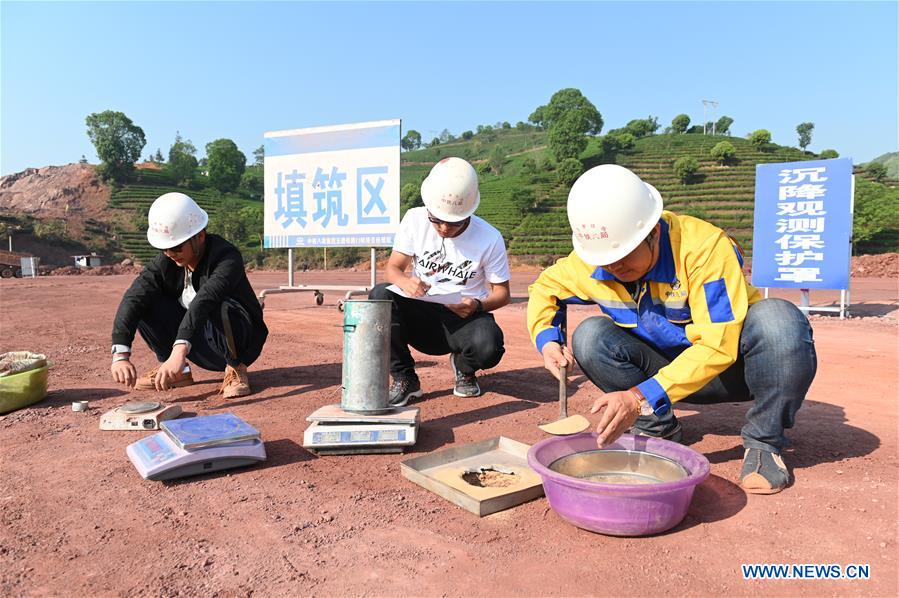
{"x": 444, "y": 299}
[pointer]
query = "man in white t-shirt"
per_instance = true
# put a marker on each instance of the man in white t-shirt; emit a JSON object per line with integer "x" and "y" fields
{"x": 450, "y": 251}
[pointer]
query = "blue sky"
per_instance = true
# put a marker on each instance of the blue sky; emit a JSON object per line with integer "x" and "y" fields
{"x": 238, "y": 69}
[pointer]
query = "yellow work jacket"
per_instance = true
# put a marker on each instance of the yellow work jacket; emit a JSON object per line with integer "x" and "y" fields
{"x": 690, "y": 306}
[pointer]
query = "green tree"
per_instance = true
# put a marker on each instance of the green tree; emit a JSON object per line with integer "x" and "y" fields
{"x": 695, "y": 129}
{"x": 259, "y": 156}
{"x": 876, "y": 209}
{"x": 680, "y": 123}
{"x": 446, "y": 136}
{"x": 723, "y": 152}
{"x": 522, "y": 198}
{"x": 411, "y": 140}
{"x": 226, "y": 164}
{"x": 118, "y": 141}
{"x": 685, "y": 168}
{"x": 569, "y": 170}
{"x": 466, "y": 135}
{"x": 497, "y": 160}
{"x": 410, "y": 196}
{"x": 566, "y": 136}
{"x": 568, "y": 101}
{"x": 536, "y": 116}
{"x": 182, "y": 161}
{"x": 252, "y": 182}
{"x": 722, "y": 127}
{"x": 239, "y": 224}
{"x": 877, "y": 171}
{"x": 642, "y": 127}
{"x": 828, "y": 154}
{"x": 760, "y": 138}
{"x": 805, "y": 134}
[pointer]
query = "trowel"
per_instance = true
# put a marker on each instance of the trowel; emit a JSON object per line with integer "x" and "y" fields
{"x": 565, "y": 425}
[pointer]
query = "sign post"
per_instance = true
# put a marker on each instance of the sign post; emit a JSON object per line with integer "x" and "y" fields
{"x": 334, "y": 186}
{"x": 802, "y": 236}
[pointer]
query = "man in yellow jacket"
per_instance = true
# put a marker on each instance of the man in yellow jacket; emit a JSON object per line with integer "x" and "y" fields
{"x": 679, "y": 322}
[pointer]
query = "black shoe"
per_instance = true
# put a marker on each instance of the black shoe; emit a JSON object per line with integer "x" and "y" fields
{"x": 763, "y": 472}
{"x": 674, "y": 435}
{"x": 466, "y": 385}
{"x": 403, "y": 390}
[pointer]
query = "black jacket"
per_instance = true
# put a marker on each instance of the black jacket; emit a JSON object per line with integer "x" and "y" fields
{"x": 219, "y": 274}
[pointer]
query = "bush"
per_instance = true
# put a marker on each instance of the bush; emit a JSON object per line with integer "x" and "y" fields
{"x": 685, "y": 168}
{"x": 467, "y": 135}
{"x": 569, "y": 170}
{"x": 760, "y": 138}
{"x": 828, "y": 154}
{"x": 529, "y": 166}
{"x": 723, "y": 152}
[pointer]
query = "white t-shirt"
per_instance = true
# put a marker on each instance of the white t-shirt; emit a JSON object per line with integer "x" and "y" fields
{"x": 465, "y": 263}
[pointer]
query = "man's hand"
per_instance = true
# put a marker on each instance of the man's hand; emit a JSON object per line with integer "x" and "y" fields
{"x": 124, "y": 372}
{"x": 171, "y": 368}
{"x": 619, "y": 412}
{"x": 465, "y": 309}
{"x": 415, "y": 287}
{"x": 555, "y": 356}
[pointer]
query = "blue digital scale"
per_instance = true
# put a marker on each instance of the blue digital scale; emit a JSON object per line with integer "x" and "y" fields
{"x": 195, "y": 446}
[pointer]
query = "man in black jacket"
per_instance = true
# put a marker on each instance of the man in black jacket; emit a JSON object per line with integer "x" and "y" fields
{"x": 192, "y": 301}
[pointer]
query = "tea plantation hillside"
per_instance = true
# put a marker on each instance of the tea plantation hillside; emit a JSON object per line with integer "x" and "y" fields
{"x": 521, "y": 195}
{"x": 149, "y": 184}
{"x": 527, "y": 204}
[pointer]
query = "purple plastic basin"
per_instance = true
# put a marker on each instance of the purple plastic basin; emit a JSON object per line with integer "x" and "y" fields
{"x": 618, "y": 509}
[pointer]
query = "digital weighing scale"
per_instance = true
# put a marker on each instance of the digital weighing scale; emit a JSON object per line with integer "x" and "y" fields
{"x": 197, "y": 445}
{"x": 338, "y": 432}
{"x": 138, "y": 415}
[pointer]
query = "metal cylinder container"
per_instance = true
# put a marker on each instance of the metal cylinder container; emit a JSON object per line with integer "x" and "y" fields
{"x": 366, "y": 356}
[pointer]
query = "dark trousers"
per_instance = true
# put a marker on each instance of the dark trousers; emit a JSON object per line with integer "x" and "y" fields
{"x": 477, "y": 341}
{"x": 775, "y": 367}
{"x": 209, "y": 345}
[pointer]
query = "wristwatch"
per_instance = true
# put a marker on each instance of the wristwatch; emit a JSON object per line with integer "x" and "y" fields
{"x": 480, "y": 306}
{"x": 643, "y": 406}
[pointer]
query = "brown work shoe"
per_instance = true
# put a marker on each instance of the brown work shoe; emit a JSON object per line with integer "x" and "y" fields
{"x": 145, "y": 380}
{"x": 236, "y": 382}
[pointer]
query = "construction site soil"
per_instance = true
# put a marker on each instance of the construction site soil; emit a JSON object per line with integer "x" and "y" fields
{"x": 76, "y": 518}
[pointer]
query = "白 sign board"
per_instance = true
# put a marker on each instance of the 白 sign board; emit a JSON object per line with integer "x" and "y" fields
{"x": 803, "y": 224}
{"x": 336, "y": 186}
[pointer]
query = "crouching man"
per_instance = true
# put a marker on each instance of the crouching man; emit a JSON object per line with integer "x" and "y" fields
{"x": 450, "y": 250}
{"x": 680, "y": 323}
{"x": 191, "y": 302}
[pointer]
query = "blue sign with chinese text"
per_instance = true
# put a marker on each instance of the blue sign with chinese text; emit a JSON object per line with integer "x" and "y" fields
{"x": 803, "y": 224}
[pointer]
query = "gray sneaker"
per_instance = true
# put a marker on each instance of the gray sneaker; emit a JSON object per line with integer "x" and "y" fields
{"x": 403, "y": 390}
{"x": 466, "y": 385}
{"x": 763, "y": 472}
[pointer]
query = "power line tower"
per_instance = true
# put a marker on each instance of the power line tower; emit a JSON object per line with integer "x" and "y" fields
{"x": 705, "y": 120}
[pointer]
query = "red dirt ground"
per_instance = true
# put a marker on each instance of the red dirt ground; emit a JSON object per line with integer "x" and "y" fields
{"x": 76, "y": 519}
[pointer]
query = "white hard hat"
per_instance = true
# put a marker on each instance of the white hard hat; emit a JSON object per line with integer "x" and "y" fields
{"x": 611, "y": 210}
{"x": 173, "y": 219}
{"x": 450, "y": 192}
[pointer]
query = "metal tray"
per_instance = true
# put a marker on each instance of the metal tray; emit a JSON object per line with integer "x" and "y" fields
{"x": 440, "y": 472}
